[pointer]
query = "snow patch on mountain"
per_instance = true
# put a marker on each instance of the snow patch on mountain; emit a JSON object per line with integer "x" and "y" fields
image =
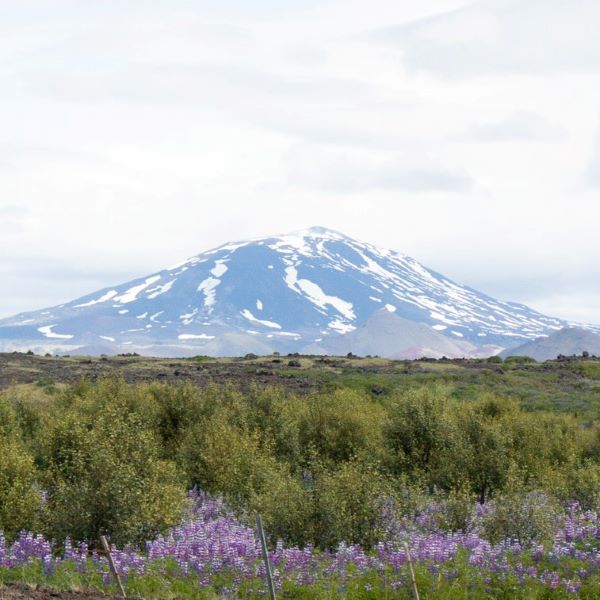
{"x": 194, "y": 336}
{"x": 248, "y": 315}
{"x": 47, "y": 332}
{"x": 160, "y": 289}
{"x": 105, "y": 298}
{"x": 208, "y": 288}
{"x": 220, "y": 268}
{"x": 316, "y": 295}
{"x": 341, "y": 326}
{"x": 132, "y": 293}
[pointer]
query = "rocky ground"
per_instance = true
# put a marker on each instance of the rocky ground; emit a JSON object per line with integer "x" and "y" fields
{"x": 293, "y": 372}
{"x": 18, "y": 591}
{"x": 569, "y": 384}
{"x": 18, "y": 368}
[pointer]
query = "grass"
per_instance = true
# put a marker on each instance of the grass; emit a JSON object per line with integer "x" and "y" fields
{"x": 459, "y": 581}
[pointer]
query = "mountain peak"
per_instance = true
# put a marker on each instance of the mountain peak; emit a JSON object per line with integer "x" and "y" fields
{"x": 318, "y": 231}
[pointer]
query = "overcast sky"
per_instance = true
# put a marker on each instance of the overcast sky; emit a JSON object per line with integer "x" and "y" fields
{"x": 136, "y": 133}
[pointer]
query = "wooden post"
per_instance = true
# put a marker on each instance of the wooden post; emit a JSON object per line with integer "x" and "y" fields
{"x": 413, "y": 583}
{"x": 111, "y": 564}
{"x": 265, "y": 554}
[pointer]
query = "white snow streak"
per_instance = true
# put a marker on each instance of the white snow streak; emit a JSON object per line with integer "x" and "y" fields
{"x": 220, "y": 268}
{"x": 47, "y": 331}
{"x": 208, "y": 287}
{"x": 248, "y": 315}
{"x": 108, "y": 296}
{"x": 160, "y": 289}
{"x": 316, "y": 295}
{"x": 341, "y": 327}
{"x": 192, "y": 336}
{"x": 131, "y": 294}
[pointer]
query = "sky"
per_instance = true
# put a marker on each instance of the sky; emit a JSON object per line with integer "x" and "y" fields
{"x": 137, "y": 133}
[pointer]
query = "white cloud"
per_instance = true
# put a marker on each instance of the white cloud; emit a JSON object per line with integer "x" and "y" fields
{"x": 340, "y": 172}
{"x": 517, "y": 126}
{"x": 492, "y": 37}
{"x": 592, "y": 174}
{"x": 137, "y": 134}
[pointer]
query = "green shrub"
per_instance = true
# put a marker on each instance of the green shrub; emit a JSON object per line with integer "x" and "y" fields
{"x": 423, "y": 437}
{"x": 338, "y": 426}
{"x": 105, "y": 476}
{"x": 8, "y": 417}
{"x": 526, "y": 517}
{"x": 495, "y": 360}
{"x": 33, "y": 410}
{"x": 116, "y": 458}
{"x": 582, "y": 485}
{"x": 20, "y": 496}
{"x": 222, "y": 459}
{"x": 171, "y": 410}
{"x": 286, "y": 506}
{"x": 351, "y": 502}
{"x": 519, "y": 360}
{"x": 590, "y": 369}
{"x": 277, "y": 418}
{"x": 456, "y": 511}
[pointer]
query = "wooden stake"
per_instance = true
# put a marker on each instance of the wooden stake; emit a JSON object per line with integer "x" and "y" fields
{"x": 265, "y": 554}
{"x": 111, "y": 564}
{"x": 415, "y": 591}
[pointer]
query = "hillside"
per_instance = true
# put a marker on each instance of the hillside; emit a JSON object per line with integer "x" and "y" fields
{"x": 568, "y": 342}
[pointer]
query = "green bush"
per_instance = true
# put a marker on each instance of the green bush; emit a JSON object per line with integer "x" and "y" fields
{"x": 222, "y": 459}
{"x": 286, "y": 505}
{"x": 8, "y": 417}
{"x": 116, "y": 458}
{"x": 20, "y": 496}
{"x": 338, "y": 426}
{"x": 590, "y": 369}
{"x": 519, "y": 360}
{"x": 351, "y": 502}
{"x": 495, "y": 360}
{"x": 582, "y": 485}
{"x": 456, "y": 511}
{"x": 521, "y": 515}
{"x": 420, "y": 430}
{"x": 105, "y": 476}
{"x": 487, "y": 427}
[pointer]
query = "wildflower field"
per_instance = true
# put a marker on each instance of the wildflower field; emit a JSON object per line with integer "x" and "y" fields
{"x": 212, "y": 554}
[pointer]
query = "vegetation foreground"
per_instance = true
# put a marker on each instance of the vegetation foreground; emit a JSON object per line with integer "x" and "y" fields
{"x": 492, "y": 499}
{"x": 213, "y": 554}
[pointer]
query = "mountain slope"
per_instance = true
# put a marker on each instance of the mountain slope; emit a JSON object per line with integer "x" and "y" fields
{"x": 568, "y": 341}
{"x": 313, "y": 287}
{"x": 389, "y": 335}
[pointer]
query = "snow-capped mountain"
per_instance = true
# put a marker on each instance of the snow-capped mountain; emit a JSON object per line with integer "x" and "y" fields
{"x": 314, "y": 290}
